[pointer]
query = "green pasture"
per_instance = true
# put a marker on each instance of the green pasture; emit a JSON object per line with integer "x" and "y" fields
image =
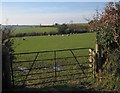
{"x": 41, "y": 43}
{"x": 34, "y": 29}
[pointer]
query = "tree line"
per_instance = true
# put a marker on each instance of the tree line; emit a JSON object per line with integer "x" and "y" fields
{"x": 62, "y": 29}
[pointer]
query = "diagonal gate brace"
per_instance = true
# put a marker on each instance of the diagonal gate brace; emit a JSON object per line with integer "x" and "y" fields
{"x": 30, "y": 69}
{"x": 78, "y": 62}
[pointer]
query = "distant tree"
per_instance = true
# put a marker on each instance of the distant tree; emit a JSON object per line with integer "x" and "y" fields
{"x": 62, "y": 29}
{"x": 71, "y": 28}
{"x": 78, "y": 28}
{"x": 56, "y": 24}
{"x": 0, "y": 26}
{"x": 40, "y": 25}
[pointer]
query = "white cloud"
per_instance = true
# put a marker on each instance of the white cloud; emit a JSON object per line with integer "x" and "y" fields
{"x": 46, "y": 18}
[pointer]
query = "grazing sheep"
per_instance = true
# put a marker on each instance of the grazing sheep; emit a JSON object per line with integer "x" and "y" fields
{"x": 24, "y": 39}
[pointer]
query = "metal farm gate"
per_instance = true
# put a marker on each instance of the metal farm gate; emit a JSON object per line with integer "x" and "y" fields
{"x": 47, "y": 68}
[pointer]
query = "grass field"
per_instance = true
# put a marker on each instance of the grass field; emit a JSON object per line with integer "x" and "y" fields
{"x": 40, "y": 43}
{"x": 34, "y": 29}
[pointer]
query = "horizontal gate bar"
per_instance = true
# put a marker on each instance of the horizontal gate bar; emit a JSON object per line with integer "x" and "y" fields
{"x": 58, "y": 81}
{"x": 52, "y": 51}
{"x": 86, "y": 67}
{"x": 47, "y": 72}
{"x": 52, "y": 76}
{"x": 49, "y": 59}
{"x": 34, "y": 74}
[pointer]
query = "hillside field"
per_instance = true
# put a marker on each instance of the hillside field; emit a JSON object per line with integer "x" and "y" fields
{"x": 34, "y": 29}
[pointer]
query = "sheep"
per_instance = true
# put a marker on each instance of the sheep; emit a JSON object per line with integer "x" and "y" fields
{"x": 23, "y": 38}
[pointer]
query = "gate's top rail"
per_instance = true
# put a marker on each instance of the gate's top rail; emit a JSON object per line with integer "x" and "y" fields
{"x": 52, "y": 50}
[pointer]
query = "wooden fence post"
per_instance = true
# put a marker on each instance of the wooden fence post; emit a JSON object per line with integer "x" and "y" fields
{"x": 98, "y": 59}
{"x": 96, "y": 62}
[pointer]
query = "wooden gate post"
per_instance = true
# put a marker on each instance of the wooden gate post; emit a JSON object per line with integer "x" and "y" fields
{"x": 6, "y": 76}
{"x": 97, "y": 59}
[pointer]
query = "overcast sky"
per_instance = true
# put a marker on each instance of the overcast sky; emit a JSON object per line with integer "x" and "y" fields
{"x": 48, "y": 12}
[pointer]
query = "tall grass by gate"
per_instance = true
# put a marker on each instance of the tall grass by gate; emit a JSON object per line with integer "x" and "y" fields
{"x": 47, "y": 68}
